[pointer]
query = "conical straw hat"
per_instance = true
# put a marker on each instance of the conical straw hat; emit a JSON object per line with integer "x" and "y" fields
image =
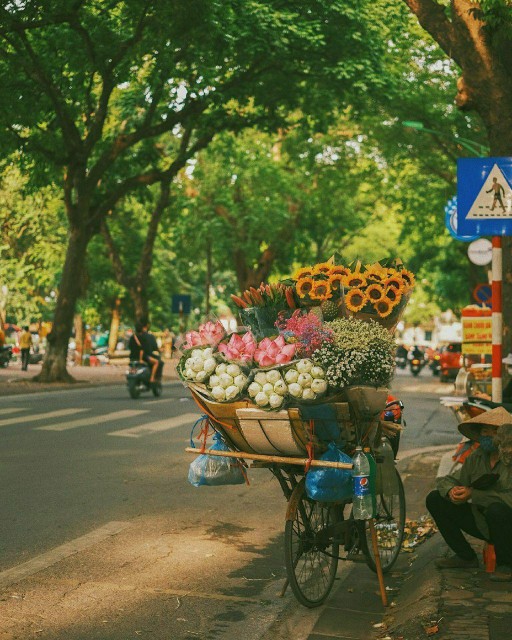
{"x": 495, "y": 418}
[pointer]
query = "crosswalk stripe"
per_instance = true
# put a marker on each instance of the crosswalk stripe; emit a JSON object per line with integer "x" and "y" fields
{"x": 159, "y": 425}
{"x": 85, "y": 422}
{"x": 13, "y": 409}
{"x": 40, "y": 416}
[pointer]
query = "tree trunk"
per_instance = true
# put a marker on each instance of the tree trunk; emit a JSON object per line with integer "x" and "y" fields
{"x": 114, "y": 327}
{"x": 79, "y": 337}
{"x": 54, "y": 363}
{"x": 139, "y": 296}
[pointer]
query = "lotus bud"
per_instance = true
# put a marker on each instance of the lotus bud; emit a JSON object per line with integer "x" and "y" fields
{"x": 201, "y": 376}
{"x": 225, "y": 380}
{"x": 188, "y": 363}
{"x": 221, "y": 368}
{"x": 233, "y": 370}
{"x": 254, "y": 389}
{"x": 209, "y": 365}
{"x": 197, "y": 364}
{"x": 280, "y": 387}
{"x": 197, "y": 353}
{"x": 291, "y": 376}
{"x": 304, "y": 365}
{"x": 232, "y": 392}
{"x": 190, "y": 374}
{"x": 273, "y": 376}
{"x": 268, "y": 388}
{"x": 214, "y": 381}
{"x": 260, "y": 378}
{"x": 317, "y": 372}
{"x": 218, "y": 393}
{"x": 308, "y": 394}
{"x": 275, "y": 400}
{"x": 240, "y": 381}
{"x": 295, "y": 390}
{"x": 261, "y": 399}
{"x": 305, "y": 380}
{"x": 319, "y": 386}
{"x": 208, "y": 352}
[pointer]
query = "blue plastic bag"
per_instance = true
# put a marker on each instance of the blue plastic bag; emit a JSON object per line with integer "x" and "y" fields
{"x": 215, "y": 470}
{"x": 325, "y": 421}
{"x": 326, "y": 484}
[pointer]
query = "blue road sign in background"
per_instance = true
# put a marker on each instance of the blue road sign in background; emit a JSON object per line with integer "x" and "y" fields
{"x": 484, "y": 196}
{"x": 181, "y": 303}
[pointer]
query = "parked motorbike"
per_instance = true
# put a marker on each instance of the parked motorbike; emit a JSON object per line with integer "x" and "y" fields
{"x": 416, "y": 366}
{"x": 5, "y": 356}
{"x": 137, "y": 378}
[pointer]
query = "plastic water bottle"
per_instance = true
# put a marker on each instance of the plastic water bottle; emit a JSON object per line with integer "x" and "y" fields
{"x": 362, "y": 500}
{"x": 388, "y": 483}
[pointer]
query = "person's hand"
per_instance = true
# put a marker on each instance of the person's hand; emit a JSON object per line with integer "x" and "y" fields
{"x": 458, "y": 495}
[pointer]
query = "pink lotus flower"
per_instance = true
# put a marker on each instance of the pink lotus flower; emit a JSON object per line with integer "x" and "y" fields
{"x": 271, "y": 352}
{"x": 238, "y": 348}
{"x": 209, "y": 334}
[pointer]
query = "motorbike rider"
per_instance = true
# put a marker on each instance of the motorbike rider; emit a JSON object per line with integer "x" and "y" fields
{"x": 151, "y": 353}
{"x": 135, "y": 344}
{"x": 416, "y": 352}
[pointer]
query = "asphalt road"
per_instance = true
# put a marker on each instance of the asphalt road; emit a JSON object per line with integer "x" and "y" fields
{"x": 102, "y": 536}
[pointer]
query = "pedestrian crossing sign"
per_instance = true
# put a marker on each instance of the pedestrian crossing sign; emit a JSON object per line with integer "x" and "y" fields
{"x": 484, "y": 196}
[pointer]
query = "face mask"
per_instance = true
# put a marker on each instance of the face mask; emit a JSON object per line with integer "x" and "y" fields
{"x": 487, "y": 444}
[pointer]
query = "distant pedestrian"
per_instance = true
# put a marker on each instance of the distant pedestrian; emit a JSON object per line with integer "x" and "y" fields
{"x": 25, "y": 344}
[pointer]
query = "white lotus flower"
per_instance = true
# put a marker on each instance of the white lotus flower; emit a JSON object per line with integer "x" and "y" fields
{"x": 201, "y": 376}
{"x": 240, "y": 381}
{"x": 291, "y": 375}
{"x": 260, "y": 378}
{"x": 209, "y": 364}
{"x": 275, "y": 400}
{"x": 308, "y": 394}
{"x": 280, "y": 387}
{"x": 188, "y": 363}
{"x": 319, "y": 386}
{"x": 232, "y": 392}
{"x": 225, "y": 380}
{"x": 268, "y": 388}
{"x": 233, "y": 370}
{"x": 197, "y": 353}
{"x": 219, "y": 393}
{"x": 273, "y": 376}
{"x": 305, "y": 380}
{"x": 221, "y": 368}
{"x": 197, "y": 364}
{"x": 254, "y": 389}
{"x": 214, "y": 381}
{"x": 304, "y": 365}
{"x": 207, "y": 353}
{"x": 317, "y": 372}
{"x": 190, "y": 374}
{"x": 295, "y": 390}
{"x": 261, "y": 399}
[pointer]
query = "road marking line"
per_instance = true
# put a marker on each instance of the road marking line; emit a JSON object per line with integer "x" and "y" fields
{"x": 45, "y": 560}
{"x": 155, "y": 427}
{"x": 41, "y": 416}
{"x": 13, "y": 409}
{"x": 158, "y": 401}
{"x": 85, "y": 422}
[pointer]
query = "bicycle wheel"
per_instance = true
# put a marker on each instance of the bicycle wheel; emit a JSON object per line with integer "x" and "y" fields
{"x": 311, "y": 550}
{"x": 389, "y": 525}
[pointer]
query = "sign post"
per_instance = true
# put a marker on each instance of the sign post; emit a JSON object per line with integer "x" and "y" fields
{"x": 484, "y": 198}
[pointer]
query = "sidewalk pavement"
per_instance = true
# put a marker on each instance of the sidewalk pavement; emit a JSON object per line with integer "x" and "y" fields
{"x": 14, "y": 381}
{"x": 423, "y": 601}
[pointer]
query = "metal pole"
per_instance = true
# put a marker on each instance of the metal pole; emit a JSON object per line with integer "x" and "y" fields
{"x": 497, "y": 319}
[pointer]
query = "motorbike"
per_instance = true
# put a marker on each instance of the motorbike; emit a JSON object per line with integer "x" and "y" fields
{"x": 401, "y": 361}
{"x": 137, "y": 378}
{"x": 416, "y": 366}
{"x": 5, "y": 356}
{"x": 435, "y": 364}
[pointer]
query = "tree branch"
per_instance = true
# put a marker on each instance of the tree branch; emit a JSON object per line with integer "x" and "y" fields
{"x": 432, "y": 18}
{"x": 117, "y": 264}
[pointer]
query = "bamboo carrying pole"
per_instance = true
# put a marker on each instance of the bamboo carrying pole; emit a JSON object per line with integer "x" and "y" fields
{"x": 259, "y": 456}
{"x": 378, "y": 565}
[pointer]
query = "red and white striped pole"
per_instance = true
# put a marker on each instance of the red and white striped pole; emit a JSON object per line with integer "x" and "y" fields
{"x": 497, "y": 319}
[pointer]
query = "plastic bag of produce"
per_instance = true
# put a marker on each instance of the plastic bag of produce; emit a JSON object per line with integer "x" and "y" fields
{"x": 326, "y": 484}
{"x": 215, "y": 470}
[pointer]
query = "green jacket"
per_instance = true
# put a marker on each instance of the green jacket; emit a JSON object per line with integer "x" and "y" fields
{"x": 475, "y": 466}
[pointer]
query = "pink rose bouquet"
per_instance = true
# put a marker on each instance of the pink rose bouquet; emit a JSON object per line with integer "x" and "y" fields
{"x": 239, "y": 348}
{"x": 272, "y": 352}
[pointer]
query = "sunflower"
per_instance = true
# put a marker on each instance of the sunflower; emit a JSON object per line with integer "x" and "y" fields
{"x": 320, "y": 291}
{"x": 322, "y": 267}
{"x": 303, "y": 272}
{"x": 383, "y": 308}
{"x": 408, "y": 277}
{"x": 374, "y": 292}
{"x": 336, "y": 281}
{"x": 304, "y": 286}
{"x": 339, "y": 269}
{"x": 354, "y": 280}
{"x": 393, "y": 296}
{"x": 377, "y": 274}
{"x": 395, "y": 282}
{"x": 355, "y": 300}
